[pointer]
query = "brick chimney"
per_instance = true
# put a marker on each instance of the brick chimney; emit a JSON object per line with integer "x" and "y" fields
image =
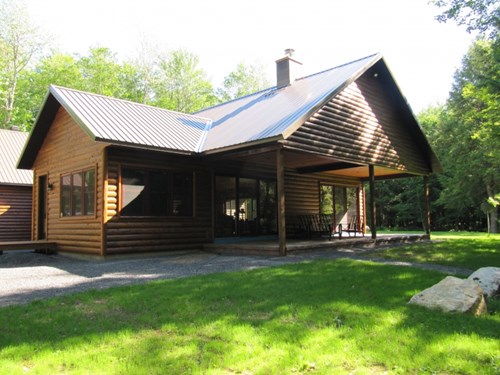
{"x": 286, "y": 69}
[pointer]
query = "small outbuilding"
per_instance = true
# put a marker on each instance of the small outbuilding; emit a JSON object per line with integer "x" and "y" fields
{"x": 15, "y": 189}
{"x": 113, "y": 176}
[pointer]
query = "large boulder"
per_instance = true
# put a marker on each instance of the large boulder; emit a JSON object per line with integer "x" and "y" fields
{"x": 453, "y": 295}
{"x": 488, "y": 279}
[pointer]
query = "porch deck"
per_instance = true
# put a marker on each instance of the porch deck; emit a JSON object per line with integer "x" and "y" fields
{"x": 39, "y": 245}
{"x": 270, "y": 247}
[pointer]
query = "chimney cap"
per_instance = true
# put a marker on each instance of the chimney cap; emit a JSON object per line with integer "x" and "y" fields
{"x": 289, "y": 52}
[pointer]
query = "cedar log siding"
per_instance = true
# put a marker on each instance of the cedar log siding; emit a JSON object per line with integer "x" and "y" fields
{"x": 150, "y": 234}
{"x": 15, "y": 213}
{"x": 361, "y": 125}
{"x": 65, "y": 149}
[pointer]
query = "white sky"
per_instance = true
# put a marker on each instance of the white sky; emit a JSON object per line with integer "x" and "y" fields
{"x": 421, "y": 53}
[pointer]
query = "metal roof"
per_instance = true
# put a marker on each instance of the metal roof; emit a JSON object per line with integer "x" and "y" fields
{"x": 277, "y": 112}
{"x": 11, "y": 145}
{"x": 269, "y": 115}
{"x": 119, "y": 121}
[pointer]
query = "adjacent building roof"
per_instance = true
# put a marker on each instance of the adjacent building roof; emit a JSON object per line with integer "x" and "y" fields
{"x": 266, "y": 116}
{"x": 11, "y": 145}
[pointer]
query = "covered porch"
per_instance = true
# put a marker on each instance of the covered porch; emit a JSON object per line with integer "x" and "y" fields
{"x": 297, "y": 184}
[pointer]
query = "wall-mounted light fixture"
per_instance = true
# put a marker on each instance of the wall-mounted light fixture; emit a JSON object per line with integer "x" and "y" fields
{"x": 50, "y": 186}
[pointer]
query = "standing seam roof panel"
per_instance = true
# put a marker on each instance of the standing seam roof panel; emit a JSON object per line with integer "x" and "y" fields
{"x": 110, "y": 119}
{"x": 11, "y": 145}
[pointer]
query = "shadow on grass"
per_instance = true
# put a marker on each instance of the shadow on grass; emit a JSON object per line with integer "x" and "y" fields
{"x": 468, "y": 253}
{"x": 197, "y": 321}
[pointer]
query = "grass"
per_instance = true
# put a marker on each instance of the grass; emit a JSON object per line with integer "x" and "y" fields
{"x": 457, "y": 249}
{"x": 323, "y": 317}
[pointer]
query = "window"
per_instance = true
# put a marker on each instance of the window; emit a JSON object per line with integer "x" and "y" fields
{"x": 156, "y": 193}
{"x": 78, "y": 193}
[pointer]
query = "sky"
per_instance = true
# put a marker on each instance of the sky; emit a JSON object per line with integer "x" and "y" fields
{"x": 421, "y": 53}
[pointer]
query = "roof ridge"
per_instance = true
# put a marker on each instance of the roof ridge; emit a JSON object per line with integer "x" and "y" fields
{"x": 339, "y": 66}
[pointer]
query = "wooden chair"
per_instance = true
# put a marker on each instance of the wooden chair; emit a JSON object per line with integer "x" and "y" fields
{"x": 318, "y": 224}
{"x": 354, "y": 226}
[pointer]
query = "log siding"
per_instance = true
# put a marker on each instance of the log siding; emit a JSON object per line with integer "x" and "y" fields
{"x": 360, "y": 125}
{"x": 150, "y": 234}
{"x": 15, "y": 213}
{"x": 66, "y": 148}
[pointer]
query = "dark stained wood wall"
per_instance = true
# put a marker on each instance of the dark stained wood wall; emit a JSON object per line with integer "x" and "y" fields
{"x": 66, "y": 149}
{"x": 15, "y": 213}
{"x": 303, "y": 194}
{"x": 134, "y": 234}
{"x": 361, "y": 125}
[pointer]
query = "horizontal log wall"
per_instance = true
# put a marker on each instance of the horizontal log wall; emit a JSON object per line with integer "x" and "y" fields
{"x": 303, "y": 192}
{"x": 67, "y": 149}
{"x": 136, "y": 235}
{"x": 15, "y": 213}
{"x": 361, "y": 125}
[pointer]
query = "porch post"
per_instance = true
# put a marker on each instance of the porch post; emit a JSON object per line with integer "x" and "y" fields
{"x": 373, "y": 210}
{"x": 427, "y": 221}
{"x": 280, "y": 182}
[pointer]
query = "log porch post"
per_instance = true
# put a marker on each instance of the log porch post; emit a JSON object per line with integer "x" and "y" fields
{"x": 280, "y": 183}
{"x": 427, "y": 221}
{"x": 373, "y": 210}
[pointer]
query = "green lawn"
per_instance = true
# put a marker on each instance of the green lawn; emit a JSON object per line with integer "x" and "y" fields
{"x": 324, "y": 317}
{"x": 458, "y": 249}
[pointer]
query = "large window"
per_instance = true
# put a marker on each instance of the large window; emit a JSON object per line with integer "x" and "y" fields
{"x": 156, "y": 192}
{"x": 78, "y": 193}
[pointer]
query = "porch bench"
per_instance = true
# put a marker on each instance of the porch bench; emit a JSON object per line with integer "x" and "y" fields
{"x": 319, "y": 224}
{"x": 354, "y": 226}
{"x": 41, "y": 245}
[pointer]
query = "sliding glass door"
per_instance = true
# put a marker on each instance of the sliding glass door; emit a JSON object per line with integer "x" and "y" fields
{"x": 340, "y": 202}
{"x": 244, "y": 206}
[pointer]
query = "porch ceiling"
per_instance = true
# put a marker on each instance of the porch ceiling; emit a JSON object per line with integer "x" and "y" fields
{"x": 305, "y": 162}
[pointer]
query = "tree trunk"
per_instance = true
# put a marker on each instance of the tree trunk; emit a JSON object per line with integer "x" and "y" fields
{"x": 493, "y": 218}
{"x": 493, "y": 214}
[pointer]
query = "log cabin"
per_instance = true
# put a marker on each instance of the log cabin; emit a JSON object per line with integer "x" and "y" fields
{"x": 15, "y": 189}
{"x": 113, "y": 176}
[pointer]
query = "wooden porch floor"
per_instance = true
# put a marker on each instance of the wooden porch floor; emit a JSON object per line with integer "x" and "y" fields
{"x": 40, "y": 245}
{"x": 271, "y": 248}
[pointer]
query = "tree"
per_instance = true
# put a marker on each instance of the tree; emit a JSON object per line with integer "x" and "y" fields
{"x": 476, "y": 15}
{"x": 147, "y": 76}
{"x": 474, "y": 106}
{"x": 58, "y": 69}
{"x": 20, "y": 42}
{"x": 245, "y": 80}
{"x": 102, "y": 74}
{"x": 473, "y": 120}
{"x": 182, "y": 85}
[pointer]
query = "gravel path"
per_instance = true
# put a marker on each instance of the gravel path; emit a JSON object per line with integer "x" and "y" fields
{"x": 28, "y": 276}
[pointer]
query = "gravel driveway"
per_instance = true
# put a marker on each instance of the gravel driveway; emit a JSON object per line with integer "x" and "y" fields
{"x": 28, "y": 276}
